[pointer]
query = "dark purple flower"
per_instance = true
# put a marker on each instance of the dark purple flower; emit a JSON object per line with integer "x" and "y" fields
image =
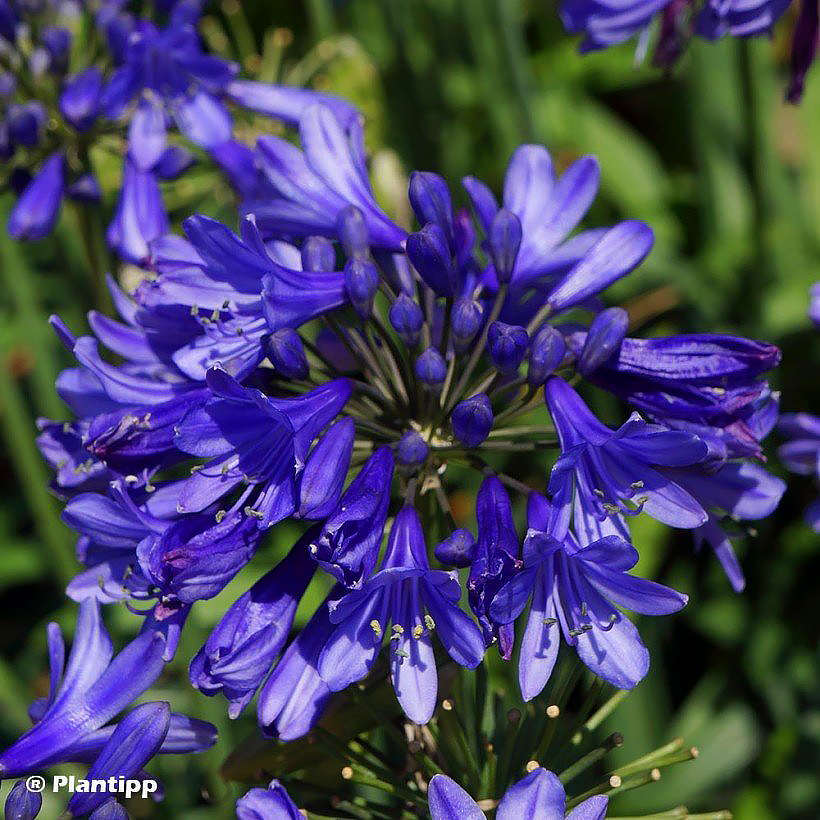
{"x": 507, "y": 345}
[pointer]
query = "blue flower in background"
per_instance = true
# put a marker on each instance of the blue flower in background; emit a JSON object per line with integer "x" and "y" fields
{"x": 539, "y": 794}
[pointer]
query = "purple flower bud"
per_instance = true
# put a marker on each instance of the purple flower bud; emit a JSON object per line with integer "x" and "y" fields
{"x": 325, "y": 470}
{"x": 318, "y": 254}
{"x": 431, "y": 369}
{"x": 507, "y": 346}
{"x": 804, "y": 48}
{"x": 411, "y": 450}
{"x": 407, "y": 319}
{"x": 25, "y": 122}
{"x": 353, "y": 235}
{"x": 472, "y": 420}
{"x": 287, "y": 354}
{"x": 465, "y": 322}
{"x": 21, "y": 804}
{"x": 431, "y": 201}
{"x": 8, "y": 22}
{"x": 84, "y": 189}
{"x": 504, "y": 241}
{"x": 604, "y": 339}
{"x": 80, "y": 100}
{"x": 429, "y": 252}
{"x": 361, "y": 283}
{"x": 36, "y": 211}
{"x": 546, "y": 354}
{"x": 57, "y": 43}
{"x": 457, "y": 550}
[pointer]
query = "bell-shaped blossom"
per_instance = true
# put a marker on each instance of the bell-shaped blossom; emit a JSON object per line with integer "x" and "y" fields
{"x": 616, "y": 472}
{"x": 87, "y": 692}
{"x": 577, "y": 590}
{"x": 495, "y": 560}
{"x": 273, "y": 803}
{"x": 240, "y": 650}
{"x": 309, "y": 188}
{"x": 538, "y": 795}
{"x": 417, "y": 601}
{"x": 347, "y": 545}
{"x": 249, "y": 438}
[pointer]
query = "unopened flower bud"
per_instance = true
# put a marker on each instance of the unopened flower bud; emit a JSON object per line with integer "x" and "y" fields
{"x": 465, "y": 322}
{"x": 604, "y": 338}
{"x": 507, "y": 346}
{"x": 361, "y": 282}
{"x": 547, "y": 351}
{"x": 431, "y": 369}
{"x": 431, "y": 202}
{"x": 25, "y": 122}
{"x": 287, "y": 354}
{"x": 21, "y": 803}
{"x": 457, "y": 550}
{"x": 353, "y": 232}
{"x": 407, "y": 319}
{"x": 411, "y": 450}
{"x": 318, "y": 254}
{"x": 430, "y": 254}
{"x": 472, "y": 420}
{"x": 504, "y": 241}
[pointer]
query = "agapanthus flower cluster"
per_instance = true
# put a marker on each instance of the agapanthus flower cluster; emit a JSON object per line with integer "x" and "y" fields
{"x": 672, "y": 23}
{"x": 80, "y": 77}
{"x": 326, "y": 366}
{"x": 801, "y": 454}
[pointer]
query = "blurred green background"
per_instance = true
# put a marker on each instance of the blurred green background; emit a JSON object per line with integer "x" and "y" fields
{"x": 727, "y": 175}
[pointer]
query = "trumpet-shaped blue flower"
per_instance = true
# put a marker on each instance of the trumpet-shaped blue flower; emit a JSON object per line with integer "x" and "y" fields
{"x": 576, "y": 590}
{"x": 616, "y": 472}
{"x": 416, "y": 601}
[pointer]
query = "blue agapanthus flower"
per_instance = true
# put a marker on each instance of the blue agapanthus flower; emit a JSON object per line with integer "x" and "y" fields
{"x": 272, "y": 803}
{"x": 88, "y": 690}
{"x": 327, "y": 366}
{"x": 539, "y": 794}
{"x": 671, "y": 23}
